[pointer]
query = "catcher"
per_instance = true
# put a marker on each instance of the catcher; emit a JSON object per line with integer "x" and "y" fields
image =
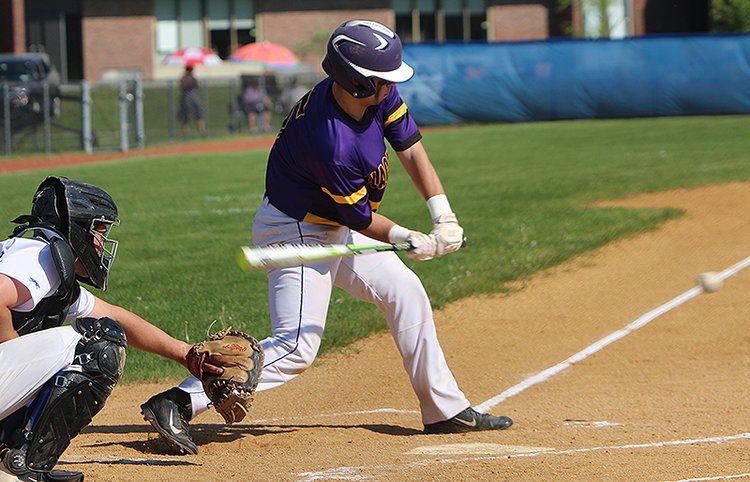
{"x": 55, "y": 378}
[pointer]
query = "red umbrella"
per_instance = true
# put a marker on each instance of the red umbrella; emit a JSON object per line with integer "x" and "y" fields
{"x": 266, "y": 54}
{"x": 192, "y": 56}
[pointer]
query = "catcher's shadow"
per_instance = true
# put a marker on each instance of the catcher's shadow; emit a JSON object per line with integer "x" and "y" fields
{"x": 201, "y": 434}
{"x": 150, "y": 463}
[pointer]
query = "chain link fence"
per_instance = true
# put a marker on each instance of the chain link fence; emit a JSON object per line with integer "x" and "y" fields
{"x": 132, "y": 113}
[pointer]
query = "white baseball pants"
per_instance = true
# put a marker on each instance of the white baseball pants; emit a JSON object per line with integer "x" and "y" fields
{"x": 299, "y": 298}
{"x": 29, "y": 361}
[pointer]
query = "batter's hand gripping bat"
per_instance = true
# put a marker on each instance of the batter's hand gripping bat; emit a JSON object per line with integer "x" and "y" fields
{"x": 253, "y": 258}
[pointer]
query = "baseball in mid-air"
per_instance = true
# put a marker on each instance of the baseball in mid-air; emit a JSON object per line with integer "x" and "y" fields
{"x": 710, "y": 281}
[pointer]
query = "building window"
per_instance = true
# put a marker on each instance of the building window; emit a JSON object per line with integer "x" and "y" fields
{"x": 167, "y": 37}
{"x": 606, "y": 20}
{"x": 440, "y": 20}
{"x": 221, "y": 25}
{"x": 191, "y": 23}
{"x": 402, "y": 10}
{"x": 475, "y": 14}
{"x": 231, "y": 24}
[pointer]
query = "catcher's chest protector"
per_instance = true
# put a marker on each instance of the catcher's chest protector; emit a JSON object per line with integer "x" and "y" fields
{"x": 51, "y": 311}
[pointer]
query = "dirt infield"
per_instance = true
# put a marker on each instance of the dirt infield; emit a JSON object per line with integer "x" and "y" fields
{"x": 67, "y": 159}
{"x": 667, "y": 401}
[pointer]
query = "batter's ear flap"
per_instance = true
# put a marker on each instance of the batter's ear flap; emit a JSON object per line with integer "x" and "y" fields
{"x": 361, "y": 89}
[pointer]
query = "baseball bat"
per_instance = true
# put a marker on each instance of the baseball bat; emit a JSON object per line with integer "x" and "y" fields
{"x": 254, "y": 258}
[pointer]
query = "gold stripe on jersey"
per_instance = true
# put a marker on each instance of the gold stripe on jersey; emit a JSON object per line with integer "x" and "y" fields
{"x": 312, "y": 218}
{"x": 397, "y": 114}
{"x": 351, "y": 199}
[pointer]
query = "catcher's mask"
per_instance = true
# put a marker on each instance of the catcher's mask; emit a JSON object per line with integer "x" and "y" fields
{"x": 85, "y": 215}
{"x": 359, "y": 50}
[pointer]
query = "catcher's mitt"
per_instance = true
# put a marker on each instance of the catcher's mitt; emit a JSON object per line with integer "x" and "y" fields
{"x": 229, "y": 365}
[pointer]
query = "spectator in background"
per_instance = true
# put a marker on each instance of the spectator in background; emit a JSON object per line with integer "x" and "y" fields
{"x": 256, "y": 101}
{"x": 190, "y": 102}
{"x": 292, "y": 94}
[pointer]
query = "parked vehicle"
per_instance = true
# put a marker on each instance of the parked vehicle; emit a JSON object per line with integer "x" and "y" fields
{"x": 26, "y": 75}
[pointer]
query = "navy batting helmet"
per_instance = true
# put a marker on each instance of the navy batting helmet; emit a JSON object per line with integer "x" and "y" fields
{"x": 361, "y": 49}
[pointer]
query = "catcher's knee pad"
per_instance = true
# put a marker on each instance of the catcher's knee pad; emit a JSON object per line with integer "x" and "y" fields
{"x": 102, "y": 347}
{"x": 69, "y": 401}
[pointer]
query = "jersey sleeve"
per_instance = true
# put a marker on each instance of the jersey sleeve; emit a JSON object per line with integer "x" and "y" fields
{"x": 30, "y": 263}
{"x": 83, "y": 306}
{"x": 399, "y": 128}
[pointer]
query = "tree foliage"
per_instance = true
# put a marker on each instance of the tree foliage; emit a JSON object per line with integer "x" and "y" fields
{"x": 314, "y": 45}
{"x": 598, "y": 6}
{"x": 730, "y": 16}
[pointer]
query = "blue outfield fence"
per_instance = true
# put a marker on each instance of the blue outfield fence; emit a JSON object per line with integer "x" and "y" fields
{"x": 578, "y": 79}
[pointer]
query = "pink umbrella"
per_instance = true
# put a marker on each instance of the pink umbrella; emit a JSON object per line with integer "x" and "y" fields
{"x": 192, "y": 56}
{"x": 266, "y": 54}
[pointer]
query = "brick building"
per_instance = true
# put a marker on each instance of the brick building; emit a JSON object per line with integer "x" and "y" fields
{"x": 100, "y": 39}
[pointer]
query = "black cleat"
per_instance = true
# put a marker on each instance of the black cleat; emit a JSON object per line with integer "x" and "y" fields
{"x": 469, "y": 420}
{"x": 56, "y": 475}
{"x": 169, "y": 413}
{"x": 13, "y": 468}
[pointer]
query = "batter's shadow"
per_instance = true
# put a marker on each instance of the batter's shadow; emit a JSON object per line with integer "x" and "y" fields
{"x": 203, "y": 434}
{"x": 381, "y": 428}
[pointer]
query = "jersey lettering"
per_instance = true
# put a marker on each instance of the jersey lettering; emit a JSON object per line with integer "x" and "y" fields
{"x": 298, "y": 110}
{"x": 379, "y": 177}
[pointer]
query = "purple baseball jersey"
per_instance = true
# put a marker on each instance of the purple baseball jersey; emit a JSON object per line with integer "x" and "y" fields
{"x": 327, "y": 168}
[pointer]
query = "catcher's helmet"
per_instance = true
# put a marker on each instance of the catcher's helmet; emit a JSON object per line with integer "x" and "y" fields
{"x": 76, "y": 209}
{"x": 361, "y": 49}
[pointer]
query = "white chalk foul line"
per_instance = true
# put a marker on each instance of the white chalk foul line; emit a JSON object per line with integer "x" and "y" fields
{"x": 735, "y": 268}
{"x": 595, "y": 347}
{"x": 718, "y": 477}
{"x": 668, "y": 443}
{"x": 367, "y": 472}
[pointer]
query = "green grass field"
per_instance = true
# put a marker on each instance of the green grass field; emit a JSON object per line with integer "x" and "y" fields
{"x": 521, "y": 191}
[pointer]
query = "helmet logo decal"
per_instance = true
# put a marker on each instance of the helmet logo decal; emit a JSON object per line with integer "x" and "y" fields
{"x": 342, "y": 38}
{"x": 383, "y": 42}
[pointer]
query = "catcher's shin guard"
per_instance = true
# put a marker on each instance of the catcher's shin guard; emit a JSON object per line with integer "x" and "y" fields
{"x": 69, "y": 401}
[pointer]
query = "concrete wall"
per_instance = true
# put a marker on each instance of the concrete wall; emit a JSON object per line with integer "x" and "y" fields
{"x": 308, "y": 31}
{"x": 517, "y": 22}
{"x": 117, "y": 36}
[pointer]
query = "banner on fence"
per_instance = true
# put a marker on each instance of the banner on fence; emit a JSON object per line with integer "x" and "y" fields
{"x": 576, "y": 78}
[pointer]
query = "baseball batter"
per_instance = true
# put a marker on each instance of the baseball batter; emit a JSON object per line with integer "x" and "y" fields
{"x": 326, "y": 176}
{"x": 54, "y": 378}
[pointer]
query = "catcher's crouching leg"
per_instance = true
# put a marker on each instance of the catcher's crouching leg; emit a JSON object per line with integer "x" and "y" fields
{"x": 68, "y": 402}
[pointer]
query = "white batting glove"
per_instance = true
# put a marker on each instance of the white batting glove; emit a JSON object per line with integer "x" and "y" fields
{"x": 424, "y": 246}
{"x": 448, "y": 234}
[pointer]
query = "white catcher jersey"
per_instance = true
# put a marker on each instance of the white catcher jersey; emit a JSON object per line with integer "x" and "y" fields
{"x": 29, "y": 262}
{"x": 27, "y": 362}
